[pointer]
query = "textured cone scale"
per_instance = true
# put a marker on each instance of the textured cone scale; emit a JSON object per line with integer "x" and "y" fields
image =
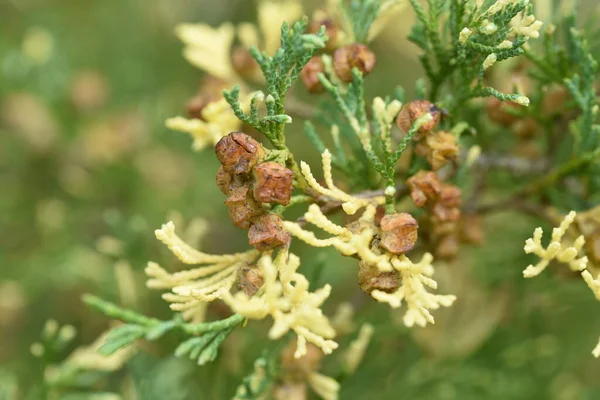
{"x": 238, "y": 152}
{"x": 266, "y": 232}
{"x": 273, "y": 183}
{"x": 370, "y": 278}
{"x": 224, "y": 180}
{"x": 415, "y": 109}
{"x": 242, "y": 207}
{"x": 351, "y": 56}
{"x": 399, "y": 233}
{"x": 445, "y": 214}
{"x": 450, "y": 196}
{"x": 424, "y": 186}
{"x": 310, "y": 75}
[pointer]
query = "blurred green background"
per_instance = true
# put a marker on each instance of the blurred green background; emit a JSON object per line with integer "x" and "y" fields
{"x": 88, "y": 171}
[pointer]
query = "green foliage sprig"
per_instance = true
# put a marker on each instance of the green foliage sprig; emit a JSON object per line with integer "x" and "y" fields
{"x": 203, "y": 348}
{"x": 360, "y": 15}
{"x": 475, "y": 39}
{"x": 280, "y": 71}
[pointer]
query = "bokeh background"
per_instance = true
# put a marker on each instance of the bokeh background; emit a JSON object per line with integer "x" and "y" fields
{"x": 88, "y": 170}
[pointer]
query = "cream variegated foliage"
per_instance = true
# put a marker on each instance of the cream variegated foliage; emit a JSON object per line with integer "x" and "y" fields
{"x": 326, "y": 387}
{"x": 209, "y": 49}
{"x": 217, "y": 121}
{"x": 563, "y": 252}
{"x": 357, "y": 349}
{"x": 192, "y": 289}
{"x": 557, "y": 249}
{"x": 271, "y": 15}
{"x": 414, "y": 278}
{"x": 350, "y": 204}
{"x": 285, "y": 297}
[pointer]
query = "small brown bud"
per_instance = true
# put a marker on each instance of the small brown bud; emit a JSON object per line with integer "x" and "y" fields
{"x": 438, "y": 148}
{"x": 195, "y": 106}
{"x": 288, "y": 390}
{"x": 471, "y": 230}
{"x": 310, "y": 75}
{"x": 273, "y": 183}
{"x": 238, "y": 152}
{"x": 399, "y": 233}
{"x": 424, "y": 186}
{"x": 497, "y": 111}
{"x": 351, "y": 56}
{"x": 448, "y": 247}
{"x": 300, "y": 368}
{"x": 210, "y": 90}
{"x": 266, "y": 232}
{"x": 379, "y": 214}
{"x": 250, "y": 280}
{"x": 592, "y": 246}
{"x": 331, "y": 30}
{"x": 371, "y": 278}
{"x": 415, "y": 109}
{"x": 243, "y": 63}
{"x": 554, "y": 100}
{"x": 242, "y": 207}
{"x": 525, "y": 128}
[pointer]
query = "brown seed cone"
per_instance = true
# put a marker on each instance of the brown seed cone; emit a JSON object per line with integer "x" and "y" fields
{"x": 300, "y": 368}
{"x": 438, "y": 148}
{"x": 250, "y": 280}
{"x": 310, "y": 75}
{"x": 351, "y": 56}
{"x": 242, "y": 207}
{"x": 266, "y": 232}
{"x": 238, "y": 152}
{"x": 424, "y": 186}
{"x": 273, "y": 183}
{"x": 399, "y": 233}
{"x": 497, "y": 111}
{"x": 242, "y": 61}
{"x": 331, "y": 30}
{"x": 415, "y": 109}
{"x": 371, "y": 278}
